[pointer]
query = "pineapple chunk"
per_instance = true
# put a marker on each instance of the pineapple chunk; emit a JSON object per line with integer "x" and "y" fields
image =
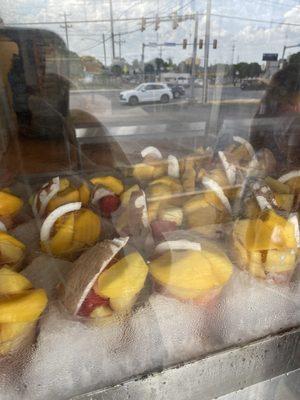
{"x": 143, "y": 171}
{"x": 280, "y": 261}
{"x": 12, "y": 282}
{"x": 110, "y": 183}
{"x": 101, "y": 312}
{"x": 25, "y": 306}
{"x": 124, "y": 279}
{"x": 255, "y": 266}
{"x": 125, "y": 196}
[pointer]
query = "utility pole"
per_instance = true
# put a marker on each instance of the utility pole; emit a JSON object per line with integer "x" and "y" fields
{"x": 104, "y": 48}
{"x": 66, "y": 27}
{"x": 143, "y": 61}
{"x": 194, "y": 57}
{"x": 233, "y": 51}
{"x": 112, "y": 30}
{"x": 206, "y": 51}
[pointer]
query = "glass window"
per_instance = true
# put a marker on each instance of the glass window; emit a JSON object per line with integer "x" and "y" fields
{"x": 150, "y": 183}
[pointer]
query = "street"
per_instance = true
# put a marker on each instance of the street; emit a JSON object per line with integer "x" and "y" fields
{"x": 228, "y": 101}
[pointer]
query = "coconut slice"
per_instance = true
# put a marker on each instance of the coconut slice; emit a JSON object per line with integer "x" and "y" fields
{"x": 263, "y": 203}
{"x": 44, "y": 196}
{"x": 153, "y": 151}
{"x": 2, "y": 227}
{"x": 100, "y": 193}
{"x": 215, "y": 187}
{"x": 245, "y": 142}
{"x": 230, "y": 169}
{"x": 140, "y": 203}
{"x": 173, "y": 166}
{"x": 181, "y": 244}
{"x": 86, "y": 270}
{"x": 289, "y": 175}
{"x": 53, "y": 217}
{"x": 293, "y": 219}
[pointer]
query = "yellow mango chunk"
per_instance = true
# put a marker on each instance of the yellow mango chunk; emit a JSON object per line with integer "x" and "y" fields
{"x": 9, "y": 204}
{"x": 280, "y": 261}
{"x": 12, "y": 251}
{"x": 255, "y": 266}
{"x": 294, "y": 184}
{"x": 69, "y": 195}
{"x": 124, "y": 279}
{"x": 26, "y": 306}
{"x": 143, "y": 172}
{"x": 125, "y": 196}
{"x": 122, "y": 304}
{"x": 110, "y": 183}
{"x": 219, "y": 176}
{"x": 61, "y": 242}
{"x": 11, "y": 334}
{"x": 199, "y": 212}
{"x": 285, "y": 201}
{"x": 172, "y": 183}
{"x": 159, "y": 191}
{"x": 101, "y": 312}
{"x": 214, "y": 200}
{"x": 87, "y": 229}
{"x": 12, "y": 282}
{"x": 84, "y": 194}
{"x": 153, "y": 208}
{"x": 191, "y": 270}
{"x": 64, "y": 183}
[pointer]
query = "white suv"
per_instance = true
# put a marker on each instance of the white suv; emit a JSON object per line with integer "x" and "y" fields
{"x": 145, "y": 92}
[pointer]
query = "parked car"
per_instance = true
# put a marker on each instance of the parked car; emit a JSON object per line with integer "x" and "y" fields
{"x": 253, "y": 84}
{"x": 177, "y": 90}
{"x": 147, "y": 92}
{"x": 199, "y": 82}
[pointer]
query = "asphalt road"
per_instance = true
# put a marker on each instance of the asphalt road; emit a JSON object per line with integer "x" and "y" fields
{"x": 226, "y": 102}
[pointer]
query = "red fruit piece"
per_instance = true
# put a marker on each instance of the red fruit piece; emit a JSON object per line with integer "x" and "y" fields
{"x": 91, "y": 301}
{"x": 159, "y": 228}
{"x": 109, "y": 204}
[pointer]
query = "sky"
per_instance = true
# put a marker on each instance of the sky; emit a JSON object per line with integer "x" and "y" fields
{"x": 240, "y": 37}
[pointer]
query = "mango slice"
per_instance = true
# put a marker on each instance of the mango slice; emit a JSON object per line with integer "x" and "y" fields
{"x": 84, "y": 194}
{"x": 277, "y": 186}
{"x": 197, "y": 271}
{"x": 143, "y": 172}
{"x": 62, "y": 240}
{"x": 285, "y": 201}
{"x": 110, "y": 183}
{"x": 70, "y": 195}
{"x": 12, "y": 334}
{"x": 12, "y": 251}
{"x": 172, "y": 183}
{"x": 100, "y": 312}
{"x": 26, "y": 306}
{"x": 87, "y": 229}
{"x": 123, "y": 280}
{"x": 125, "y": 196}
{"x": 12, "y": 282}
{"x": 9, "y": 204}
{"x": 64, "y": 183}
{"x": 280, "y": 261}
{"x": 122, "y": 304}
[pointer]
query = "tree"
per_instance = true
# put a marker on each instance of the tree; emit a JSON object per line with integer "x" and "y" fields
{"x": 294, "y": 59}
{"x": 149, "y": 69}
{"x": 254, "y": 70}
{"x": 116, "y": 70}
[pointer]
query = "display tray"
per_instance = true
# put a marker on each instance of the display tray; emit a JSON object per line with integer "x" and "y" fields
{"x": 215, "y": 375}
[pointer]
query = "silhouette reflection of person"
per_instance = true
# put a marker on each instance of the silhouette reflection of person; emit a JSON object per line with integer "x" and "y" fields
{"x": 276, "y": 125}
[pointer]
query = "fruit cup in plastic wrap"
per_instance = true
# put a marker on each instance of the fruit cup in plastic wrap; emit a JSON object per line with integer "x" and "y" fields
{"x": 105, "y": 280}
{"x": 20, "y": 308}
{"x": 190, "y": 269}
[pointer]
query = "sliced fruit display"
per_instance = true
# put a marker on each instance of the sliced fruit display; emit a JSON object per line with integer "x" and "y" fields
{"x": 69, "y": 230}
{"x": 20, "y": 307}
{"x": 104, "y": 281}
{"x": 191, "y": 275}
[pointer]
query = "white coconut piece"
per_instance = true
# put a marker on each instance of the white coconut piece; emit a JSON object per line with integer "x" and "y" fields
{"x": 230, "y": 169}
{"x": 293, "y": 219}
{"x": 153, "y": 151}
{"x": 45, "y": 196}
{"x": 216, "y": 188}
{"x": 245, "y": 142}
{"x": 181, "y": 244}
{"x": 292, "y": 174}
{"x": 86, "y": 270}
{"x": 2, "y": 227}
{"x": 53, "y": 217}
{"x": 140, "y": 202}
{"x": 100, "y": 193}
{"x": 173, "y": 166}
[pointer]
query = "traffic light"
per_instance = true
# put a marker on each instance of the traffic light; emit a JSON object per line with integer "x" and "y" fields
{"x": 174, "y": 20}
{"x": 157, "y": 22}
{"x": 201, "y": 44}
{"x": 143, "y": 24}
{"x": 215, "y": 44}
{"x": 184, "y": 43}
